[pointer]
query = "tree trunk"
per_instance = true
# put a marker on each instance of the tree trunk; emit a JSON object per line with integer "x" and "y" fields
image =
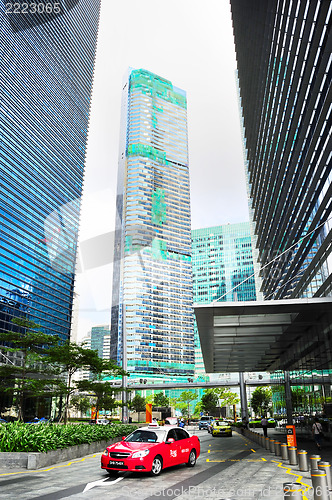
{"x": 20, "y": 414}
{"x": 65, "y": 420}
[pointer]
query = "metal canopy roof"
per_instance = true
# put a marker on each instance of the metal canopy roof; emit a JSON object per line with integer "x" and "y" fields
{"x": 266, "y": 335}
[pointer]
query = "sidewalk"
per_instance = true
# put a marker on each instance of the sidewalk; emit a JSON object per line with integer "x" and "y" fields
{"x": 304, "y": 442}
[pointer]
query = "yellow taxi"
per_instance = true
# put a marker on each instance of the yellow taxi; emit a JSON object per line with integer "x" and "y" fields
{"x": 220, "y": 428}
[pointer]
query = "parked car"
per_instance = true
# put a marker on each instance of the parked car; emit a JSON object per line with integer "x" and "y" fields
{"x": 220, "y": 428}
{"x": 151, "y": 449}
{"x": 210, "y": 424}
{"x": 204, "y": 421}
{"x": 103, "y": 421}
{"x": 37, "y": 420}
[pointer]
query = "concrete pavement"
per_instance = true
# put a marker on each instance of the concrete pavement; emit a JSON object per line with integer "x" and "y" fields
{"x": 228, "y": 468}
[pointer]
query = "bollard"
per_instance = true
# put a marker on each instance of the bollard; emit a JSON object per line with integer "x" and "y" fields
{"x": 277, "y": 448}
{"x": 292, "y": 455}
{"x": 325, "y": 466}
{"x": 319, "y": 484}
{"x": 314, "y": 459}
{"x": 272, "y": 445}
{"x": 267, "y": 443}
{"x": 293, "y": 490}
{"x": 302, "y": 456}
{"x": 284, "y": 451}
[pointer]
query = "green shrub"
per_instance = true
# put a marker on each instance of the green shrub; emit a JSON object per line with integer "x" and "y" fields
{"x": 17, "y": 436}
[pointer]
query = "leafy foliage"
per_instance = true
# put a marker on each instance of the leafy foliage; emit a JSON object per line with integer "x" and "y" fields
{"x": 160, "y": 400}
{"x": 182, "y": 403}
{"x": 138, "y": 403}
{"x": 31, "y": 374}
{"x": 261, "y": 400}
{"x": 209, "y": 400}
{"x": 226, "y": 396}
{"x": 70, "y": 357}
{"x": 16, "y": 436}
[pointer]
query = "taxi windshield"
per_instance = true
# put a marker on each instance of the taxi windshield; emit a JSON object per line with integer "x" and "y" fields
{"x": 145, "y": 436}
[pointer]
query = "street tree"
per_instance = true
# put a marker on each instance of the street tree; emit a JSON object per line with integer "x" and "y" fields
{"x": 209, "y": 401}
{"x": 69, "y": 358}
{"x": 160, "y": 400}
{"x": 27, "y": 370}
{"x": 138, "y": 404}
{"x": 261, "y": 400}
{"x": 102, "y": 391}
{"x": 80, "y": 403}
{"x": 186, "y": 397}
{"x": 226, "y": 397}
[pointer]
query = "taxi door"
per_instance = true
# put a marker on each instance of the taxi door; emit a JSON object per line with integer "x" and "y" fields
{"x": 172, "y": 455}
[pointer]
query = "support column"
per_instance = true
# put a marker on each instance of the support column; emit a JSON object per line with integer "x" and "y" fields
{"x": 124, "y": 366}
{"x": 243, "y": 398}
{"x": 288, "y": 398}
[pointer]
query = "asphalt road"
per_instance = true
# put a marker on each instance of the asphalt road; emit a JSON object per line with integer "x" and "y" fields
{"x": 84, "y": 479}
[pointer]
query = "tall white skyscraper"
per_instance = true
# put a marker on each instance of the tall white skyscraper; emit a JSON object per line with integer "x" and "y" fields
{"x": 152, "y": 262}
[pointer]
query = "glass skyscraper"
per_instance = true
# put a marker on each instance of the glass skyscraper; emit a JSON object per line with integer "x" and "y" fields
{"x": 46, "y": 71}
{"x": 152, "y": 276}
{"x": 222, "y": 260}
{"x": 100, "y": 340}
{"x": 283, "y": 52}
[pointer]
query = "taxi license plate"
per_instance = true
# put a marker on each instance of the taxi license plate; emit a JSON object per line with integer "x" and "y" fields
{"x": 115, "y": 463}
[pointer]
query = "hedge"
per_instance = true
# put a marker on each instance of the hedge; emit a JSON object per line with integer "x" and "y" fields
{"x": 17, "y": 436}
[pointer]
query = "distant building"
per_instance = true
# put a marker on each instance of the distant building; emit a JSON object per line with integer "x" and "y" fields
{"x": 83, "y": 373}
{"x": 222, "y": 269}
{"x": 152, "y": 275}
{"x": 101, "y": 340}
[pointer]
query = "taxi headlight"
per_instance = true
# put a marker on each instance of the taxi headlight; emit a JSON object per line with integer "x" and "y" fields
{"x": 140, "y": 454}
{"x": 105, "y": 453}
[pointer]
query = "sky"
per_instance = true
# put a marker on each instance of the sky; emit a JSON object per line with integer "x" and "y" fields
{"x": 190, "y": 44}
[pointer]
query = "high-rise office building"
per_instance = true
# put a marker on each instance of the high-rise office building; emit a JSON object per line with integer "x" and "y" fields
{"x": 222, "y": 269}
{"x": 152, "y": 276}
{"x": 283, "y": 52}
{"x": 46, "y": 71}
{"x": 223, "y": 264}
{"x": 101, "y": 340}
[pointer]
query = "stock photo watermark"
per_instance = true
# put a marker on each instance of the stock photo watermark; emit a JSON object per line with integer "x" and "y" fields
{"x": 24, "y": 14}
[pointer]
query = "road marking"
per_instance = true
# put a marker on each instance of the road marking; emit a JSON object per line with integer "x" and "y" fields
{"x": 237, "y": 460}
{"x": 298, "y": 477}
{"x": 89, "y": 486}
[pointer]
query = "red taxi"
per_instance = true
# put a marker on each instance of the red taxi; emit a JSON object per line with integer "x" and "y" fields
{"x": 151, "y": 449}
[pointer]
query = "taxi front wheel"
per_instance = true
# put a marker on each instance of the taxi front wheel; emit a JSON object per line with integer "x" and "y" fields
{"x": 157, "y": 465}
{"x": 192, "y": 459}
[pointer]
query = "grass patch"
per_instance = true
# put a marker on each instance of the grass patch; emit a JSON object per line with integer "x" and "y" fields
{"x": 17, "y": 436}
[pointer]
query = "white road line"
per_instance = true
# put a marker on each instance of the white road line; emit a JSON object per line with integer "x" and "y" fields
{"x": 89, "y": 486}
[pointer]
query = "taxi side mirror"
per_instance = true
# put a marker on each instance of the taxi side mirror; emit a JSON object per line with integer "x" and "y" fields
{"x": 123, "y": 438}
{"x": 170, "y": 441}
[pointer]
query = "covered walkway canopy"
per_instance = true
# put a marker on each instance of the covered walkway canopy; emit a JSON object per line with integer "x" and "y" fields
{"x": 294, "y": 334}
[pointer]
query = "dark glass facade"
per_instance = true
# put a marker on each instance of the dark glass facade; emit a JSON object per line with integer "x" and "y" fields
{"x": 283, "y": 51}
{"x": 46, "y": 72}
